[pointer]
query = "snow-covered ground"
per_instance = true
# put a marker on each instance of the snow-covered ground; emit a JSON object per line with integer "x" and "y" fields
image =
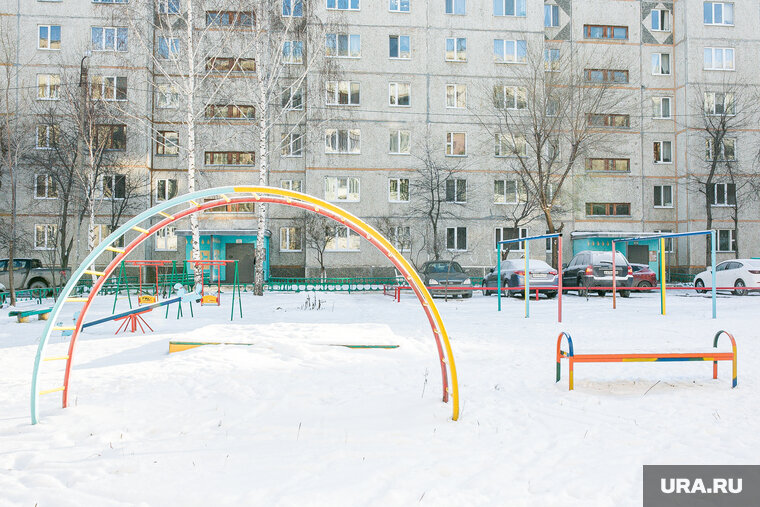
{"x": 292, "y": 420}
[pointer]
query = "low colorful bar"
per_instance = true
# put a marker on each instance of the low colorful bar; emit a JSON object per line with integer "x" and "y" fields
{"x": 644, "y": 357}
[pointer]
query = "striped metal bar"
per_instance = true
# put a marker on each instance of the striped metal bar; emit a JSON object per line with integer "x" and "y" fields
{"x": 140, "y": 230}
{"x": 95, "y": 273}
{"x": 114, "y": 249}
{"x": 76, "y": 300}
{"x": 225, "y": 197}
{"x": 64, "y": 328}
{"x": 165, "y": 215}
{"x": 59, "y": 358}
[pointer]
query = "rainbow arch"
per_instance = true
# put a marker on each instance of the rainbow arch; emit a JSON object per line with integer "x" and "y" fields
{"x": 195, "y": 202}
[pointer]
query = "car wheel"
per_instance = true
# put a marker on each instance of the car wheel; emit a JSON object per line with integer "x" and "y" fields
{"x": 601, "y": 293}
{"x": 485, "y": 289}
{"x": 582, "y": 292}
{"x": 625, "y": 293}
{"x": 551, "y": 295}
{"x": 700, "y": 285}
{"x": 644, "y": 283}
{"x": 740, "y": 292}
{"x": 38, "y": 284}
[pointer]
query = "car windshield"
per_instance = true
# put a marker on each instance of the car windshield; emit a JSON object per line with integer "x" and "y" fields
{"x": 606, "y": 258}
{"x": 444, "y": 267}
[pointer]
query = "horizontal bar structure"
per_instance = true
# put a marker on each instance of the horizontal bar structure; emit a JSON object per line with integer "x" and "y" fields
{"x": 528, "y": 238}
{"x": 651, "y": 357}
{"x": 665, "y": 236}
{"x": 244, "y": 194}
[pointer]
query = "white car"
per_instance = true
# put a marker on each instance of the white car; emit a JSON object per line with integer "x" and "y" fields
{"x": 734, "y": 273}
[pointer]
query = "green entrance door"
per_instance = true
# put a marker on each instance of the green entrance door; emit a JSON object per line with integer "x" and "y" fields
{"x": 244, "y": 254}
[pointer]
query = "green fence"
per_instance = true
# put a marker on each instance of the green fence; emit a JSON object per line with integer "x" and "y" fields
{"x": 355, "y": 284}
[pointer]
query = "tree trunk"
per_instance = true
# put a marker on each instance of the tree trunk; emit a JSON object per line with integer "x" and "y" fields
{"x": 709, "y": 222}
{"x": 12, "y": 239}
{"x": 258, "y": 288}
{"x": 194, "y": 219}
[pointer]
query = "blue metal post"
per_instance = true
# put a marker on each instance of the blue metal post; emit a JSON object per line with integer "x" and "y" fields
{"x": 527, "y": 279}
{"x": 712, "y": 241}
{"x": 498, "y": 274}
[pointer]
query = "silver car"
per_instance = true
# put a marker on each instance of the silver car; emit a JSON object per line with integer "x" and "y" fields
{"x": 542, "y": 277}
{"x": 446, "y": 274}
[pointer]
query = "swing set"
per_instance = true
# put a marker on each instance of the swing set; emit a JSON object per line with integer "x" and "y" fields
{"x": 214, "y": 267}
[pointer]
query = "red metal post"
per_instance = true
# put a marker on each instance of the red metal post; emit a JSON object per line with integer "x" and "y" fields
{"x": 614, "y": 278}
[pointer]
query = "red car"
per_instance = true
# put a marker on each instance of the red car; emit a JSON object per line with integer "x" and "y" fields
{"x": 643, "y": 276}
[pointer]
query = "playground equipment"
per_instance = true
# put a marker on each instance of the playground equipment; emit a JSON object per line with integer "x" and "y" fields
{"x": 662, "y": 238}
{"x": 216, "y": 298}
{"x": 156, "y": 264}
{"x": 178, "y": 346}
{"x": 23, "y": 316}
{"x": 573, "y": 358}
{"x": 527, "y": 270}
{"x": 246, "y": 194}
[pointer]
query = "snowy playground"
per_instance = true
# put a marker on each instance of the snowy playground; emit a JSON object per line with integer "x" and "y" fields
{"x": 293, "y": 419}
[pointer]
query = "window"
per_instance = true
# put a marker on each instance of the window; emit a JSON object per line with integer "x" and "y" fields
{"x": 168, "y": 6}
{"x": 47, "y": 86}
{"x": 606, "y": 76}
{"x": 609, "y": 120}
{"x": 718, "y": 13}
{"x": 551, "y": 15}
{"x": 605, "y": 32}
{"x": 505, "y": 192}
{"x": 295, "y": 185}
{"x": 111, "y": 137}
{"x": 343, "y": 141}
{"x": 226, "y": 64}
{"x": 341, "y": 239}
{"x": 505, "y": 233}
{"x": 661, "y": 64}
{"x": 232, "y": 207}
{"x": 660, "y": 20}
{"x": 663, "y": 196}
{"x": 339, "y": 188}
{"x": 398, "y": 190}
{"x": 726, "y": 240}
{"x": 399, "y": 46}
{"x": 108, "y": 88}
{"x": 343, "y": 93}
{"x": 166, "y": 189}
{"x": 108, "y": 38}
{"x": 292, "y": 8}
{"x": 456, "y": 238}
{"x": 608, "y": 209}
{"x": 456, "y": 49}
{"x": 456, "y": 96}
{"x": 400, "y": 142}
{"x": 725, "y": 151}
{"x": 292, "y": 52}
{"x": 509, "y": 7}
{"x": 44, "y": 236}
{"x": 238, "y": 19}
{"x": 292, "y": 144}
{"x": 668, "y": 241}
{"x": 551, "y": 60}
{"x": 398, "y": 5}
{"x": 230, "y": 112}
{"x": 722, "y": 194}
{"x": 506, "y": 145}
{"x": 47, "y": 137}
{"x": 166, "y": 239}
{"x": 49, "y": 37}
{"x": 168, "y": 47}
{"x": 290, "y": 239}
{"x": 44, "y": 187}
{"x": 343, "y": 5}
{"x": 167, "y": 97}
{"x": 510, "y": 97}
{"x": 608, "y": 164}
{"x": 113, "y": 186}
{"x": 661, "y": 106}
{"x": 292, "y": 98}
{"x": 456, "y": 191}
{"x": 341, "y": 45}
{"x": 230, "y": 158}
{"x": 456, "y": 144}
{"x": 552, "y": 107}
{"x": 398, "y": 94}
{"x": 102, "y": 231}
{"x": 401, "y": 237}
{"x": 718, "y": 104}
{"x": 510, "y": 51}
{"x": 167, "y": 142}
{"x": 343, "y": 189}
{"x": 662, "y": 152}
{"x": 719, "y": 59}
{"x": 455, "y": 7}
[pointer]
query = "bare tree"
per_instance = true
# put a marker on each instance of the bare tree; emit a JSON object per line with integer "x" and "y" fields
{"x": 438, "y": 192}
{"x": 553, "y": 118}
{"x": 725, "y": 109}
{"x": 318, "y": 231}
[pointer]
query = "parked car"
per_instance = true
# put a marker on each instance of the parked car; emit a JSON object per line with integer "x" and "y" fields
{"x": 643, "y": 276}
{"x": 542, "y": 277}
{"x": 734, "y": 273}
{"x": 30, "y": 274}
{"x": 446, "y": 274}
{"x": 589, "y": 269}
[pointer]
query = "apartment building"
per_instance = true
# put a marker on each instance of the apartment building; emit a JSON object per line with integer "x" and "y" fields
{"x": 414, "y": 82}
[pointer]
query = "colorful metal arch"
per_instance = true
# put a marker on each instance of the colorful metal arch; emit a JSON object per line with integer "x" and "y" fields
{"x": 254, "y": 194}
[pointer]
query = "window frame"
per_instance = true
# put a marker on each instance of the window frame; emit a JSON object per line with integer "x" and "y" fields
{"x": 236, "y": 156}
{"x": 608, "y": 76}
{"x": 288, "y": 104}
{"x": 522, "y": 232}
{"x": 397, "y": 87}
{"x": 337, "y": 231}
{"x": 105, "y": 86}
{"x": 169, "y": 149}
{"x": 670, "y": 108}
{"x": 52, "y": 88}
{"x": 451, "y": 142}
{"x": 400, "y": 4}
{"x": 399, "y": 190}
{"x": 608, "y": 32}
{"x": 714, "y": 101}
{"x": 658, "y": 66}
{"x": 50, "y": 144}
{"x": 338, "y": 185}
{"x": 723, "y": 51}
{"x": 104, "y": 38}
{"x": 552, "y": 15}
{"x": 510, "y": 141}
{"x": 610, "y": 209}
{"x": 398, "y": 46}
{"x": 49, "y": 41}
{"x": 334, "y": 51}
{"x": 349, "y": 5}
{"x": 50, "y": 182}
{"x": 661, "y": 151}
{"x": 167, "y": 193}
{"x": 399, "y": 135}
{"x": 663, "y": 18}
{"x": 456, "y": 95}
{"x": 663, "y": 203}
{"x": 291, "y": 9}
{"x": 289, "y": 184}
{"x": 729, "y": 189}
{"x": 519, "y": 8}
{"x": 712, "y": 13}
{"x": 731, "y": 240}
{"x": 455, "y": 51}
{"x": 722, "y": 154}
{"x": 609, "y": 165}
{"x": 292, "y": 231}
{"x": 336, "y": 93}
{"x": 458, "y": 188}
{"x": 165, "y": 235}
{"x": 505, "y": 193}
{"x": 457, "y": 230}
{"x": 452, "y": 7}
{"x": 515, "y": 54}
{"x": 289, "y": 57}
{"x": 172, "y": 45}
{"x": 349, "y": 143}
{"x": 294, "y": 139}
{"x": 49, "y": 243}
